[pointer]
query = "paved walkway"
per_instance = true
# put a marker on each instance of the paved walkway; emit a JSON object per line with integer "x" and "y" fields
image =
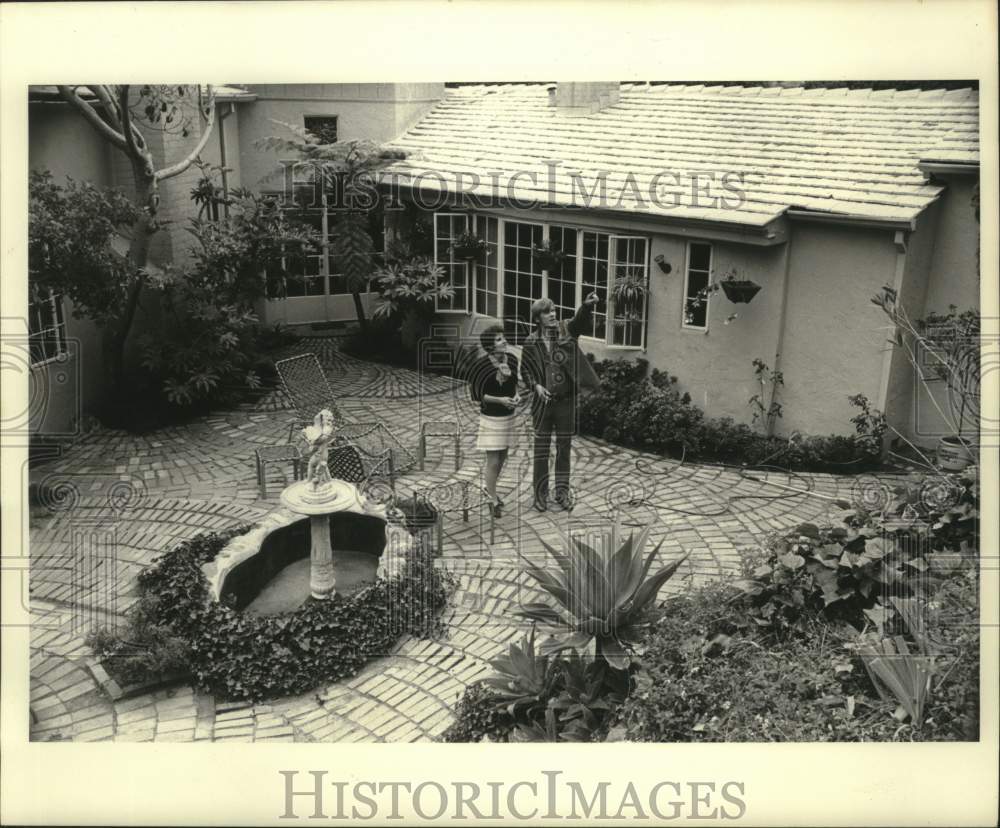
{"x": 139, "y": 496}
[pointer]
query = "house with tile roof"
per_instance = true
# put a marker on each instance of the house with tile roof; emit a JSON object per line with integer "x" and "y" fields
{"x": 819, "y": 196}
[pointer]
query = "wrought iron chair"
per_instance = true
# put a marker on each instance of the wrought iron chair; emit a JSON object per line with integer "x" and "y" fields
{"x": 307, "y": 387}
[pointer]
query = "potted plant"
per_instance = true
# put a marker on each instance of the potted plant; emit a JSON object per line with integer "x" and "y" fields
{"x": 550, "y": 258}
{"x": 469, "y": 246}
{"x": 945, "y": 347}
{"x": 628, "y": 293}
{"x": 737, "y": 288}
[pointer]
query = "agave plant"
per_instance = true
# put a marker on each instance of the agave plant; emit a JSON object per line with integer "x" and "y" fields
{"x": 602, "y": 600}
{"x": 524, "y": 679}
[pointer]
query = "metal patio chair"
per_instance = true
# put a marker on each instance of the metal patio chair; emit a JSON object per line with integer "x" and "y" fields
{"x": 309, "y": 391}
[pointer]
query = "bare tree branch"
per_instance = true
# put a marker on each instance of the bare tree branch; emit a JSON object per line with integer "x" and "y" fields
{"x": 103, "y": 94}
{"x": 136, "y": 149}
{"x": 187, "y": 161}
{"x": 70, "y": 95}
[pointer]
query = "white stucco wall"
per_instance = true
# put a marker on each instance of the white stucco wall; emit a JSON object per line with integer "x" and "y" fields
{"x": 372, "y": 111}
{"x": 833, "y": 340}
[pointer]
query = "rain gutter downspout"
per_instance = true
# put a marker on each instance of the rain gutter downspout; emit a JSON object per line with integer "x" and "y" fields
{"x": 222, "y": 157}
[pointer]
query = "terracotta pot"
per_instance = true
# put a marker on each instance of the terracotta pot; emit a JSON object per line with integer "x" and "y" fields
{"x": 954, "y": 453}
{"x": 742, "y": 291}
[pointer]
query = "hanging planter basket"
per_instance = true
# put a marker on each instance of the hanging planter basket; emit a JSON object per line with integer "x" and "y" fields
{"x": 470, "y": 247}
{"x": 740, "y": 291}
{"x": 547, "y": 258}
{"x": 468, "y": 253}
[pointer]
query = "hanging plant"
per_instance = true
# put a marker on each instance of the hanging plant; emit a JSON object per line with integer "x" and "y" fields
{"x": 469, "y": 246}
{"x": 548, "y": 257}
{"x": 629, "y": 293}
{"x": 738, "y": 289}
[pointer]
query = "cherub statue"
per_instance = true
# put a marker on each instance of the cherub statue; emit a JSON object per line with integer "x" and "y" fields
{"x": 319, "y": 436}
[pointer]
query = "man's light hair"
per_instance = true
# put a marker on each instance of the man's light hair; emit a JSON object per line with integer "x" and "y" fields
{"x": 540, "y": 306}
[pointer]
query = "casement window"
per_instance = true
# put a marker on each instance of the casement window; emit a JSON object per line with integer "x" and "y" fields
{"x": 510, "y": 276}
{"x": 46, "y": 328}
{"x": 561, "y": 283}
{"x": 522, "y": 274}
{"x": 595, "y": 279}
{"x": 323, "y": 127}
{"x": 447, "y": 228}
{"x": 696, "y": 280}
{"x": 316, "y": 273}
{"x": 629, "y": 256}
{"x": 486, "y": 299}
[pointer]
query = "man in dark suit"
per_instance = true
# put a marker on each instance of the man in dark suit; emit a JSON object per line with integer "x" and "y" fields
{"x": 556, "y": 369}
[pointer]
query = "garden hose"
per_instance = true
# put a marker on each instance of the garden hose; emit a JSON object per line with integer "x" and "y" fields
{"x": 644, "y": 467}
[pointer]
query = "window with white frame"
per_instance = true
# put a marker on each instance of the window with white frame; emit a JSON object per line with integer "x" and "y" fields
{"x": 522, "y": 273}
{"x": 561, "y": 285}
{"x": 487, "y": 268}
{"x": 317, "y": 273}
{"x": 447, "y": 228}
{"x": 509, "y": 277}
{"x": 629, "y": 281}
{"x": 594, "y": 274}
{"x": 696, "y": 280}
{"x": 46, "y": 327}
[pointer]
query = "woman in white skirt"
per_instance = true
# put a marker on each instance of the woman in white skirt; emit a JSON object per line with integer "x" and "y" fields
{"x": 493, "y": 383}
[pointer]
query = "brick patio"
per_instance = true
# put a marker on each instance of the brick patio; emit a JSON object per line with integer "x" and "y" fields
{"x": 143, "y": 494}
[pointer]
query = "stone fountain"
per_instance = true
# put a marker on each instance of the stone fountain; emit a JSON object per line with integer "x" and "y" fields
{"x": 320, "y": 496}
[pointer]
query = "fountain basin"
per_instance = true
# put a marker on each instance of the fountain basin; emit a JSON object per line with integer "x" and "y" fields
{"x": 364, "y": 545}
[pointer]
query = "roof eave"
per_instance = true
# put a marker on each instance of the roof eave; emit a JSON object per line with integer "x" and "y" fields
{"x": 771, "y": 232}
{"x": 930, "y": 167}
{"x": 851, "y": 219}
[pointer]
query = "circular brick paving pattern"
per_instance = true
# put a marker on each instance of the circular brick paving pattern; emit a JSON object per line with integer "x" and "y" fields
{"x": 126, "y": 499}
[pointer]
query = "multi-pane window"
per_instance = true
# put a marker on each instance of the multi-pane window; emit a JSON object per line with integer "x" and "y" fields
{"x": 696, "y": 281}
{"x": 629, "y": 272}
{"x": 595, "y": 278}
{"x": 323, "y": 127}
{"x": 522, "y": 274}
{"x": 562, "y": 278}
{"x": 508, "y": 278}
{"x": 487, "y": 228}
{"x": 447, "y": 228}
{"x": 46, "y": 327}
{"x": 317, "y": 272}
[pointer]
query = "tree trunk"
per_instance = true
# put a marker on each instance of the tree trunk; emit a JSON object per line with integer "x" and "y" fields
{"x": 138, "y": 255}
{"x": 359, "y": 309}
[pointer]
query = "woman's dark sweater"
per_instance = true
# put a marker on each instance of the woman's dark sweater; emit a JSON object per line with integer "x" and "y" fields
{"x": 483, "y": 381}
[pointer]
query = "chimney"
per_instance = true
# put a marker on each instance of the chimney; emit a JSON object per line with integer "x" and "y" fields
{"x": 576, "y": 98}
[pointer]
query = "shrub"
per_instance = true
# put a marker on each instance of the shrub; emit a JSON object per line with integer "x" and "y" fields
{"x": 636, "y": 408}
{"x": 715, "y": 676}
{"x": 921, "y": 535}
{"x": 240, "y": 656}
{"x": 144, "y": 651}
{"x": 534, "y": 697}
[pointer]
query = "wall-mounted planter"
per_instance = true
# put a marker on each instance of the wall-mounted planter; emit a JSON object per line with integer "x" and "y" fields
{"x": 662, "y": 263}
{"x": 740, "y": 291}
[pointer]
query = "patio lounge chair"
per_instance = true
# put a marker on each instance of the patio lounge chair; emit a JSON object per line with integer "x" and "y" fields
{"x": 382, "y": 453}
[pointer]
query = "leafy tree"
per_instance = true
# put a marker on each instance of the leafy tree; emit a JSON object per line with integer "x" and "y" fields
{"x": 346, "y": 169}
{"x": 210, "y": 345}
{"x": 115, "y": 113}
{"x": 69, "y": 244}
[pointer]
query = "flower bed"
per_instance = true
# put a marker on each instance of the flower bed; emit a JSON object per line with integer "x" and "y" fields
{"x": 866, "y": 631}
{"x": 238, "y": 656}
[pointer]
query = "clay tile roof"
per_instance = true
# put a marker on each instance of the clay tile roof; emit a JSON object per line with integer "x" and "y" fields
{"x": 852, "y": 152}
